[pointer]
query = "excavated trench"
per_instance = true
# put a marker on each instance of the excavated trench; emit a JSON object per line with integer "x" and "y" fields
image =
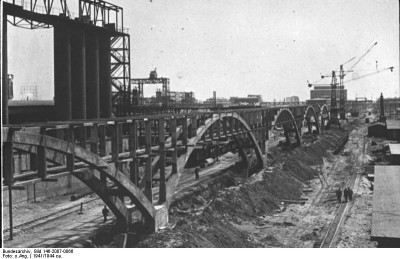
{"x": 216, "y": 212}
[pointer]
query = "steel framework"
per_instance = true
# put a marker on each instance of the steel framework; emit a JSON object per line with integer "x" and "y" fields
{"x": 138, "y": 98}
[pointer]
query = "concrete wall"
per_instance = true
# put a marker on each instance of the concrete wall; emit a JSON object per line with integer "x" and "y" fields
{"x": 36, "y": 190}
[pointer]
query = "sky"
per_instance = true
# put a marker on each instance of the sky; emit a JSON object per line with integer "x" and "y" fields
{"x": 240, "y": 47}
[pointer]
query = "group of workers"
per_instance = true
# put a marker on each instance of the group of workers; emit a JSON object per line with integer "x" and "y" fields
{"x": 347, "y": 194}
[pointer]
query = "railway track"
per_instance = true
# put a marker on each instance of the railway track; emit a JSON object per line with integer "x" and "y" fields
{"x": 326, "y": 194}
{"x": 19, "y": 229}
{"x": 323, "y": 191}
{"x": 330, "y": 236}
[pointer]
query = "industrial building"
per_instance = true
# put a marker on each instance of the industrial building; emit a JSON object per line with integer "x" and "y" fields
{"x": 244, "y": 100}
{"x": 393, "y": 129}
{"x": 377, "y": 130}
{"x": 292, "y": 99}
{"x": 391, "y": 108}
{"x": 394, "y": 150}
{"x": 325, "y": 93}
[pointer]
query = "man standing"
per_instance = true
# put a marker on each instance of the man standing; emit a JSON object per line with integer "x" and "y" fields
{"x": 196, "y": 173}
{"x": 105, "y": 212}
{"x": 339, "y": 194}
{"x": 350, "y": 192}
{"x": 346, "y": 193}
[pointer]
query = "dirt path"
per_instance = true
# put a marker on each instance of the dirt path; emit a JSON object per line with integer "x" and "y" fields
{"x": 308, "y": 225}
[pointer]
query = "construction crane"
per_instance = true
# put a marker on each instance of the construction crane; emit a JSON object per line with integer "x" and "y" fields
{"x": 334, "y": 110}
{"x": 342, "y": 73}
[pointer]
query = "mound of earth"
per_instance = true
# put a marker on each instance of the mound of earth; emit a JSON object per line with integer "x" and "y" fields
{"x": 212, "y": 222}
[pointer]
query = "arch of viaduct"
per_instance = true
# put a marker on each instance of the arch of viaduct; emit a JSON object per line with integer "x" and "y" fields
{"x": 120, "y": 158}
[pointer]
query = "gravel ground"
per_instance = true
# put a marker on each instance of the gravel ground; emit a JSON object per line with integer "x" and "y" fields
{"x": 25, "y": 212}
{"x": 356, "y": 229}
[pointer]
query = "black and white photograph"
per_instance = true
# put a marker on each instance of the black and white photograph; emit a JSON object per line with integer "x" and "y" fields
{"x": 131, "y": 124}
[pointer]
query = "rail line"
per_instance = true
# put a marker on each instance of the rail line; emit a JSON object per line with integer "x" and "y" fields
{"x": 333, "y": 230}
{"x": 45, "y": 219}
{"x": 325, "y": 186}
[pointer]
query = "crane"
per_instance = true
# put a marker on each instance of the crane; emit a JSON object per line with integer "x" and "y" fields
{"x": 342, "y": 73}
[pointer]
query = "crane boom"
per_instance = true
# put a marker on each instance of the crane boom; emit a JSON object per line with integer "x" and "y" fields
{"x": 370, "y": 74}
{"x": 358, "y": 61}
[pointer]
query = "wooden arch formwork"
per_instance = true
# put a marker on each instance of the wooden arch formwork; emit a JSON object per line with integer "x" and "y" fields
{"x": 325, "y": 116}
{"x": 103, "y": 178}
{"x": 311, "y": 117}
{"x": 218, "y": 126}
{"x": 113, "y": 185}
{"x": 286, "y": 120}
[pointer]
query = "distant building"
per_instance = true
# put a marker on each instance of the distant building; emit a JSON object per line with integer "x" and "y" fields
{"x": 244, "y": 100}
{"x": 292, "y": 99}
{"x": 224, "y": 102}
{"x": 29, "y": 93}
{"x": 258, "y": 96}
{"x": 325, "y": 93}
{"x": 318, "y": 101}
{"x": 391, "y": 108}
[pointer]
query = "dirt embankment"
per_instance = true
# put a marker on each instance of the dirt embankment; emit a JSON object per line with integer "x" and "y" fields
{"x": 215, "y": 221}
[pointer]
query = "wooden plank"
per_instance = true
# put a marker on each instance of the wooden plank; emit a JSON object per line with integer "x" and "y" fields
{"x": 70, "y": 137}
{"x": 8, "y": 163}
{"x": 133, "y": 170}
{"x": 41, "y": 161}
{"x": 94, "y": 139}
{"x": 102, "y": 140}
{"x": 219, "y": 127}
{"x": 185, "y": 131}
{"x": 173, "y": 144}
{"x": 148, "y": 190}
{"x": 194, "y": 126}
{"x": 114, "y": 144}
{"x": 386, "y": 203}
{"x": 120, "y": 137}
{"x": 161, "y": 141}
{"x": 82, "y": 137}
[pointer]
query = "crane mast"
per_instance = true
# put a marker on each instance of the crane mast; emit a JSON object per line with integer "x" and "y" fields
{"x": 334, "y": 110}
{"x": 342, "y": 109}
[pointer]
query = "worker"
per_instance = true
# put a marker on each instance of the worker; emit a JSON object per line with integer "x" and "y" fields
{"x": 105, "y": 212}
{"x": 346, "y": 194}
{"x": 350, "y": 192}
{"x": 196, "y": 173}
{"x": 339, "y": 194}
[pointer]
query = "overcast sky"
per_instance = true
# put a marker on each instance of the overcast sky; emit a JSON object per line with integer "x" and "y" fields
{"x": 240, "y": 47}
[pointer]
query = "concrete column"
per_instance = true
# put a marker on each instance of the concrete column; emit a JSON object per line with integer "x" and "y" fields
{"x": 62, "y": 72}
{"x": 78, "y": 72}
{"x": 105, "y": 76}
{"x": 92, "y": 76}
{"x": 5, "y": 74}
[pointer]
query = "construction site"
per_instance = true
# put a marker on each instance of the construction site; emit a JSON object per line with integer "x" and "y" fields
{"x": 103, "y": 163}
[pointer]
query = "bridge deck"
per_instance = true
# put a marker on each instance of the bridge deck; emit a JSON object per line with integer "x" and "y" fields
{"x": 386, "y": 203}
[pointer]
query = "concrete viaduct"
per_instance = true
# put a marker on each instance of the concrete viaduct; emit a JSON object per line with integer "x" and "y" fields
{"x": 120, "y": 158}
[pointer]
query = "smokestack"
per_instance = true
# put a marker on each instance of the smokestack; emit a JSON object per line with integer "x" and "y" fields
{"x": 215, "y": 98}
